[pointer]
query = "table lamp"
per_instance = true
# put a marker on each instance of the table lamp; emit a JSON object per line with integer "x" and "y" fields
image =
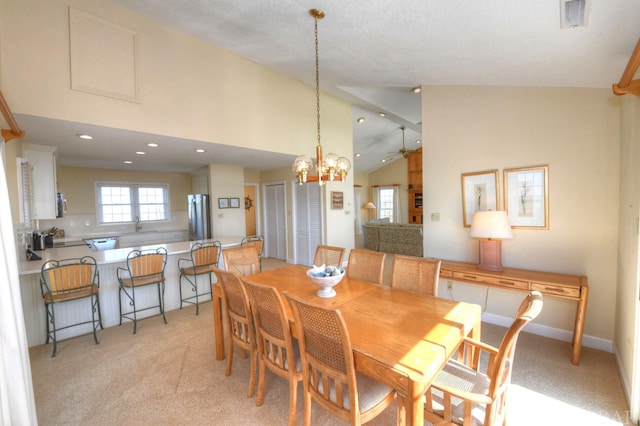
{"x": 490, "y": 227}
{"x": 371, "y": 207}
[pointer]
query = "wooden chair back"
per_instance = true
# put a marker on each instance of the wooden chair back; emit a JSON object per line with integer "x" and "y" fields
{"x": 463, "y": 394}
{"x": 239, "y": 321}
{"x": 366, "y": 265}
{"x": 328, "y": 255}
{"x": 276, "y": 348}
{"x": 146, "y": 266}
{"x": 256, "y": 241}
{"x": 69, "y": 279}
{"x": 243, "y": 260}
{"x": 329, "y": 374}
{"x": 415, "y": 274}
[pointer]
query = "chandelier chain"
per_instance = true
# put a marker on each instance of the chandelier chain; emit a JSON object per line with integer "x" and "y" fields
{"x": 317, "y": 79}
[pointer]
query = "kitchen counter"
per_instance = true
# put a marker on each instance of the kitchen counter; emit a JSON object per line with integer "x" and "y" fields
{"x": 108, "y": 262}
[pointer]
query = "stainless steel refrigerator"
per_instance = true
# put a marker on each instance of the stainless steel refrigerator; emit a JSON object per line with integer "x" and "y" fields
{"x": 199, "y": 217}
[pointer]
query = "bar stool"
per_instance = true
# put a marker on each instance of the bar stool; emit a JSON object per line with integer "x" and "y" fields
{"x": 67, "y": 280}
{"x": 144, "y": 267}
{"x": 204, "y": 257}
{"x": 257, "y": 242}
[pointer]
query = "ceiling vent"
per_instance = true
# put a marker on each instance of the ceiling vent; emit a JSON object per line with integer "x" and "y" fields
{"x": 574, "y": 13}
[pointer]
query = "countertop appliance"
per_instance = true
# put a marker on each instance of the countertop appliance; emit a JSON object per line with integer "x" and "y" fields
{"x": 100, "y": 244}
{"x": 199, "y": 217}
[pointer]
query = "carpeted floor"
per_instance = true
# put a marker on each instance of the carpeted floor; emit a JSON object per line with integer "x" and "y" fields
{"x": 168, "y": 375}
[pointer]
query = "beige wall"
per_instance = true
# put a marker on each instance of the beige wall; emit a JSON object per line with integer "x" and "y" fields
{"x": 576, "y": 132}
{"x": 78, "y": 186}
{"x": 626, "y": 310}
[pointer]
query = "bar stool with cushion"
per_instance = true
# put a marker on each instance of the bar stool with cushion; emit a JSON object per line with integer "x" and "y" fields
{"x": 144, "y": 267}
{"x": 242, "y": 260}
{"x": 257, "y": 242}
{"x": 277, "y": 350}
{"x": 463, "y": 394}
{"x": 416, "y": 274}
{"x": 329, "y": 372}
{"x": 366, "y": 265}
{"x": 328, "y": 255}
{"x": 65, "y": 281}
{"x": 239, "y": 321}
{"x": 204, "y": 258}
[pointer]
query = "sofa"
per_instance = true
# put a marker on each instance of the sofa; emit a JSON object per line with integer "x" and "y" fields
{"x": 393, "y": 238}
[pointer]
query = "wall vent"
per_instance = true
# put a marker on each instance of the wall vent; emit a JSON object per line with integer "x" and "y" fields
{"x": 574, "y": 13}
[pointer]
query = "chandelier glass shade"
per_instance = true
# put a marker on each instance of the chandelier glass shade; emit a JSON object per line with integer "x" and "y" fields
{"x": 330, "y": 167}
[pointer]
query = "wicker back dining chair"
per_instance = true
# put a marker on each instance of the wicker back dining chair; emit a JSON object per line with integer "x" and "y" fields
{"x": 463, "y": 394}
{"x": 328, "y": 255}
{"x": 416, "y": 274}
{"x": 243, "y": 260}
{"x": 257, "y": 242}
{"x": 239, "y": 321}
{"x": 328, "y": 367}
{"x": 65, "y": 281}
{"x": 277, "y": 349}
{"x": 366, "y": 265}
{"x": 203, "y": 259}
{"x": 144, "y": 267}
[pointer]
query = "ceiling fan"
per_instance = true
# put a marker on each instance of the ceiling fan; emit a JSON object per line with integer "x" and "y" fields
{"x": 402, "y": 151}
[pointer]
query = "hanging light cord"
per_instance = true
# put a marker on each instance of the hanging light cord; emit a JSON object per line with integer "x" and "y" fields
{"x": 317, "y": 15}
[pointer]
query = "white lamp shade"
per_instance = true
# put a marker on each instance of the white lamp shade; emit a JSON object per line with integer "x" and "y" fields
{"x": 491, "y": 224}
{"x": 370, "y": 205}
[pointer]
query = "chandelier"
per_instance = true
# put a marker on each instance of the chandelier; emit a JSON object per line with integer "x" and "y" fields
{"x": 330, "y": 167}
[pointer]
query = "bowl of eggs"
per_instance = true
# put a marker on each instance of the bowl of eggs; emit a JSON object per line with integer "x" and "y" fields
{"x": 326, "y": 277}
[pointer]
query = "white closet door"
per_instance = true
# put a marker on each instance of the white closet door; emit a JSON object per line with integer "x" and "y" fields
{"x": 307, "y": 222}
{"x": 275, "y": 221}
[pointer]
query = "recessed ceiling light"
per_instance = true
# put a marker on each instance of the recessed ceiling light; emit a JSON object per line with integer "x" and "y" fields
{"x": 128, "y": 162}
{"x": 199, "y": 150}
{"x": 357, "y": 154}
{"x": 361, "y": 120}
{"x": 152, "y": 145}
{"x": 83, "y": 136}
{"x": 140, "y": 152}
{"x": 417, "y": 89}
{"x": 382, "y": 114}
{"x": 418, "y": 141}
{"x": 383, "y": 160}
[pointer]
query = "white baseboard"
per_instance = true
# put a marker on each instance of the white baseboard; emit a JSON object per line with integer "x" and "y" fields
{"x": 552, "y": 333}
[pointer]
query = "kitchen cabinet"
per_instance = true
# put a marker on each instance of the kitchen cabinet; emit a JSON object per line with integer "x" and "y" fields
{"x": 43, "y": 161}
{"x": 414, "y": 186}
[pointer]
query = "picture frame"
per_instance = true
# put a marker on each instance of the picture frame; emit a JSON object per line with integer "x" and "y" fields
{"x": 337, "y": 200}
{"x": 526, "y": 197}
{"x": 223, "y": 203}
{"x": 479, "y": 193}
{"x": 234, "y": 203}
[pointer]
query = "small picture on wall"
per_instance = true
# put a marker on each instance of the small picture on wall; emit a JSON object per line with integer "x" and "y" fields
{"x": 337, "y": 200}
{"x": 235, "y": 203}
{"x": 223, "y": 203}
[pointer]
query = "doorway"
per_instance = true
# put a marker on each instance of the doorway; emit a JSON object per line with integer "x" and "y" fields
{"x": 275, "y": 237}
{"x": 307, "y": 222}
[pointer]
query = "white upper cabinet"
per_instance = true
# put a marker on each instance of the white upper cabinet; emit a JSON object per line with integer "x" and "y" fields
{"x": 43, "y": 161}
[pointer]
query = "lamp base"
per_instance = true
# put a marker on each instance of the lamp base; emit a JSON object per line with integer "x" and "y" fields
{"x": 490, "y": 255}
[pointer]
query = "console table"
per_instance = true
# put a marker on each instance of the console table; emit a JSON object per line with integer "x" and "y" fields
{"x": 571, "y": 287}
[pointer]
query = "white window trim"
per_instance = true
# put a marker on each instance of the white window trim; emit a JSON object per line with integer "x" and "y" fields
{"x": 133, "y": 186}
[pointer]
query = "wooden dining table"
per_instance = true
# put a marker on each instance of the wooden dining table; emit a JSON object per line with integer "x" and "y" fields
{"x": 401, "y": 339}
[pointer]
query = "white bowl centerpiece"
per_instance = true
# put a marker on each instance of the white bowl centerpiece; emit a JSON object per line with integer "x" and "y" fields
{"x": 326, "y": 277}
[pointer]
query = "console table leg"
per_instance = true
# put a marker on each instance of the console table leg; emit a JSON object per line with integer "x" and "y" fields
{"x": 578, "y": 329}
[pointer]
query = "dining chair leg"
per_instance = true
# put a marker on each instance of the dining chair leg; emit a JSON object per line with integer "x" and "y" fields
{"x": 252, "y": 374}
{"x": 306, "y": 412}
{"x": 261, "y": 378}
{"x": 293, "y": 401}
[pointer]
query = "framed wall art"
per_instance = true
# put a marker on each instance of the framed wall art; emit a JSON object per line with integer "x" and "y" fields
{"x": 526, "y": 197}
{"x": 234, "y": 203}
{"x": 479, "y": 193}
{"x": 337, "y": 199}
{"x": 223, "y": 203}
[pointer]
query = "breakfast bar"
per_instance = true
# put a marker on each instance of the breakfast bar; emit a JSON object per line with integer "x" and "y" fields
{"x": 108, "y": 261}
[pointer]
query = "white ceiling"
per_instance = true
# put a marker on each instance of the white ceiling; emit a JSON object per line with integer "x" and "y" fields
{"x": 371, "y": 54}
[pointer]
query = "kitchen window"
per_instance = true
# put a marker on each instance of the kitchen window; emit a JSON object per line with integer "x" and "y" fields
{"x": 122, "y": 203}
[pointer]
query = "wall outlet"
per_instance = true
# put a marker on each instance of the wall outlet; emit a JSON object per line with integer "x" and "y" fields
{"x": 435, "y": 217}
{"x": 449, "y": 285}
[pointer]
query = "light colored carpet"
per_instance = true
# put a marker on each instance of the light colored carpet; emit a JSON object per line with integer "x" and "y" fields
{"x": 168, "y": 375}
